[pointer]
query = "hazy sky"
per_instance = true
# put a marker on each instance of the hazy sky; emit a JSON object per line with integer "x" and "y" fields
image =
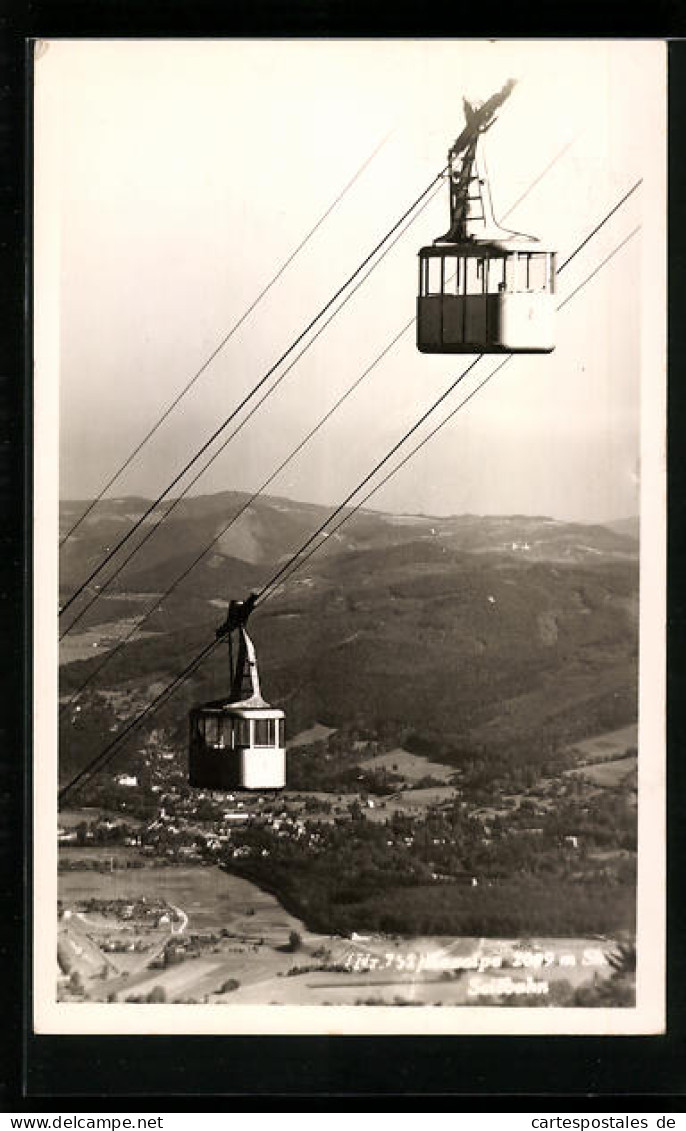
{"x": 173, "y": 178}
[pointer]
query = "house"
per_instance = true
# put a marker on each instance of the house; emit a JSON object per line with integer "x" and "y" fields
{"x": 466, "y": 879}
{"x": 128, "y": 780}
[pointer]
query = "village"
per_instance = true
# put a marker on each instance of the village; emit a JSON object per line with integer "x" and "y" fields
{"x": 150, "y": 833}
{"x": 200, "y": 826}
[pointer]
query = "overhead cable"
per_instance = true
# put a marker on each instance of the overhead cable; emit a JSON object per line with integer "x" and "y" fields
{"x": 101, "y": 589}
{"x": 227, "y": 337}
{"x": 248, "y": 397}
{"x": 152, "y": 529}
{"x": 296, "y": 564}
{"x": 298, "y": 558}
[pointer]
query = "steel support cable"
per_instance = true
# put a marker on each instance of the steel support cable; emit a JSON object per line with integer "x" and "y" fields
{"x": 322, "y": 528}
{"x": 603, "y": 222}
{"x": 111, "y": 655}
{"x": 225, "y": 340}
{"x": 248, "y": 397}
{"x": 541, "y": 175}
{"x": 296, "y": 564}
{"x": 600, "y": 266}
{"x": 234, "y": 518}
{"x": 370, "y": 475}
{"x": 179, "y": 498}
{"x": 167, "y": 691}
{"x": 175, "y": 502}
{"x": 111, "y": 748}
{"x": 93, "y": 767}
{"x": 430, "y": 435}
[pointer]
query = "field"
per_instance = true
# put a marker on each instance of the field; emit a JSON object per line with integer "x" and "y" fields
{"x": 316, "y": 733}
{"x": 212, "y": 899}
{"x": 432, "y": 972}
{"x": 70, "y": 818}
{"x": 608, "y": 760}
{"x": 609, "y": 775}
{"x": 607, "y": 746}
{"x": 490, "y": 662}
{"x": 412, "y": 803}
{"x": 409, "y": 766}
{"x": 253, "y": 961}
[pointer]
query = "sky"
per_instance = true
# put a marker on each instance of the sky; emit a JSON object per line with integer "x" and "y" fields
{"x": 173, "y": 179}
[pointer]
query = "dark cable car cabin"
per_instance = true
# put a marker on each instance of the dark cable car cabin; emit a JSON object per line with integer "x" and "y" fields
{"x": 483, "y": 289}
{"x": 238, "y": 742}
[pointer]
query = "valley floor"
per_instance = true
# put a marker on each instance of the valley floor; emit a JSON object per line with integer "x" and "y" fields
{"x": 236, "y": 945}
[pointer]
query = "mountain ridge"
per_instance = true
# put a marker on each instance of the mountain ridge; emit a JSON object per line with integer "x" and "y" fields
{"x": 270, "y": 529}
{"x": 462, "y": 647}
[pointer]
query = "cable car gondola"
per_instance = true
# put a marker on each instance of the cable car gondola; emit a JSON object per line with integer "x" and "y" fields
{"x": 482, "y": 288}
{"x": 238, "y": 743}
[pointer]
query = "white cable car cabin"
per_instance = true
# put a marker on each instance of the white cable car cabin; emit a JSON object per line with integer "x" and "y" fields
{"x": 486, "y": 298}
{"x": 482, "y": 288}
{"x": 238, "y": 743}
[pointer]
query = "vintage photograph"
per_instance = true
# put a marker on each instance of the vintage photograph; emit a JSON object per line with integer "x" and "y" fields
{"x": 349, "y": 577}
